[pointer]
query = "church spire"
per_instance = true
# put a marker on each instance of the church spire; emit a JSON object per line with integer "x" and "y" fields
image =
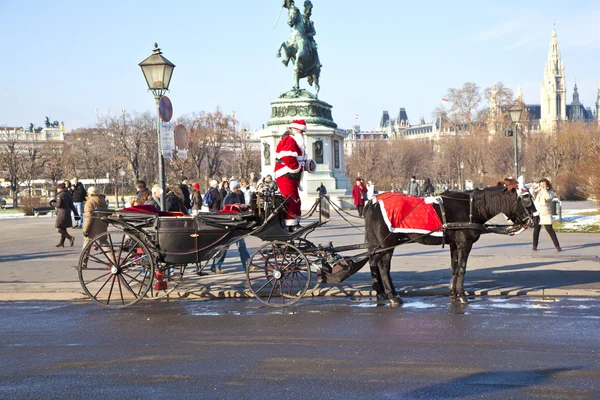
{"x": 553, "y": 90}
{"x": 575, "y": 94}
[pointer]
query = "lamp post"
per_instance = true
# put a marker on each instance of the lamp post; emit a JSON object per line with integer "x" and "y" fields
{"x": 462, "y": 175}
{"x": 515, "y": 115}
{"x": 479, "y": 178}
{"x": 122, "y": 175}
{"x": 158, "y": 71}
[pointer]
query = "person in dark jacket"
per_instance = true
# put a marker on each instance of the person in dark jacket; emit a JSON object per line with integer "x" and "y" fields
{"x": 235, "y": 197}
{"x": 64, "y": 206}
{"x": 154, "y": 199}
{"x": 79, "y": 196}
{"x": 428, "y": 188}
{"x": 174, "y": 200}
{"x": 215, "y": 193}
{"x": 141, "y": 189}
{"x": 224, "y": 191}
{"x": 185, "y": 192}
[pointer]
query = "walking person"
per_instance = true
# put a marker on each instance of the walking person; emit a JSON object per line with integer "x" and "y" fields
{"x": 371, "y": 190}
{"x": 185, "y": 192}
{"x": 247, "y": 190}
{"x": 64, "y": 206}
{"x": 543, "y": 195}
{"x": 94, "y": 225}
{"x": 413, "y": 187}
{"x": 428, "y": 188}
{"x": 154, "y": 198}
{"x": 79, "y": 196}
{"x": 212, "y": 198}
{"x": 322, "y": 190}
{"x": 235, "y": 197}
{"x": 223, "y": 192}
{"x": 359, "y": 192}
{"x": 196, "y": 198}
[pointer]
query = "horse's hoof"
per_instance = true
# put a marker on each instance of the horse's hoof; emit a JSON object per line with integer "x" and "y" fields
{"x": 278, "y": 54}
{"x": 396, "y": 301}
{"x": 462, "y": 300}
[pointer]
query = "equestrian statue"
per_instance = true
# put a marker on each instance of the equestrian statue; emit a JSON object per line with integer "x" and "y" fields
{"x": 301, "y": 48}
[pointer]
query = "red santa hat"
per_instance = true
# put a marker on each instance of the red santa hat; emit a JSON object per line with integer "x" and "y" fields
{"x": 299, "y": 124}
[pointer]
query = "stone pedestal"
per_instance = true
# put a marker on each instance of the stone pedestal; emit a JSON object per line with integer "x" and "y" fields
{"x": 324, "y": 144}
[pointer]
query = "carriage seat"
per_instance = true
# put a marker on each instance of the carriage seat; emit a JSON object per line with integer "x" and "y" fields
{"x": 150, "y": 209}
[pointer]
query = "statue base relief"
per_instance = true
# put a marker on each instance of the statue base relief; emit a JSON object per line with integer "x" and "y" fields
{"x": 324, "y": 144}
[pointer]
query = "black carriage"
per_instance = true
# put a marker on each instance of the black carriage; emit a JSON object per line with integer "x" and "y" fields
{"x": 145, "y": 253}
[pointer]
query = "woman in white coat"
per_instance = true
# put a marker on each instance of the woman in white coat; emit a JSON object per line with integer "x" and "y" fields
{"x": 543, "y": 196}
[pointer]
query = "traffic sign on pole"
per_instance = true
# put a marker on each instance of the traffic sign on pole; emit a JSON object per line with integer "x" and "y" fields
{"x": 165, "y": 109}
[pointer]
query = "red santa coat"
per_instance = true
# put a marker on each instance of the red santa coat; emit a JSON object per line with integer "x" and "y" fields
{"x": 288, "y": 170}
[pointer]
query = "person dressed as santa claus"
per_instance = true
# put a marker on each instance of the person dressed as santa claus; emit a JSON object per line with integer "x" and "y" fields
{"x": 291, "y": 161}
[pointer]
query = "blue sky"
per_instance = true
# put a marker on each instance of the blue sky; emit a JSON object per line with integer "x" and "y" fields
{"x": 68, "y": 58}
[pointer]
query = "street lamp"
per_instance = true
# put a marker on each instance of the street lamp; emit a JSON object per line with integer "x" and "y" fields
{"x": 462, "y": 175}
{"x": 158, "y": 71}
{"x": 515, "y": 115}
{"x": 479, "y": 178}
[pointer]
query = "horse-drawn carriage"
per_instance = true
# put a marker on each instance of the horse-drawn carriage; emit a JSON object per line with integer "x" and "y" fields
{"x": 145, "y": 253}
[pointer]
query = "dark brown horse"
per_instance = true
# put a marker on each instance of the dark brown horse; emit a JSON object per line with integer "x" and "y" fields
{"x": 460, "y": 208}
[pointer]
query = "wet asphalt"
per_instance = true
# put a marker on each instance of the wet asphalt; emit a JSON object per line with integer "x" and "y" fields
{"x": 323, "y": 348}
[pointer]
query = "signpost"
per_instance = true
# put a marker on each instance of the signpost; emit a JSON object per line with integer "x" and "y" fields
{"x": 181, "y": 139}
{"x": 165, "y": 108}
{"x": 167, "y": 139}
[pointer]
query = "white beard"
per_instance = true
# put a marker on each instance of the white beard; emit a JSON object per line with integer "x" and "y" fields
{"x": 300, "y": 141}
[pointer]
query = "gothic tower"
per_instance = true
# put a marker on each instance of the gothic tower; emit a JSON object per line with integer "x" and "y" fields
{"x": 554, "y": 90}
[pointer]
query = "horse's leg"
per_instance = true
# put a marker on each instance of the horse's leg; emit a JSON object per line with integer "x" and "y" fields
{"x": 317, "y": 87}
{"x": 454, "y": 265}
{"x": 463, "y": 255}
{"x": 374, "y": 260}
{"x": 286, "y": 60}
{"x": 386, "y": 279}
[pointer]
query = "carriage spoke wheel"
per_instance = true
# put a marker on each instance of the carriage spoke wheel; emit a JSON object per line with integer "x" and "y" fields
{"x": 313, "y": 260}
{"x": 166, "y": 279}
{"x": 278, "y": 274}
{"x": 116, "y": 269}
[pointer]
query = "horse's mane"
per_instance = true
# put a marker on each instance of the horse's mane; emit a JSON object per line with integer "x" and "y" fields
{"x": 494, "y": 200}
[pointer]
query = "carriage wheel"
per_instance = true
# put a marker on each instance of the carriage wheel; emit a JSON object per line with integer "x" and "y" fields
{"x": 116, "y": 269}
{"x": 278, "y": 274}
{"x": 313, "y": 260}
{"x": 166, "y": 279}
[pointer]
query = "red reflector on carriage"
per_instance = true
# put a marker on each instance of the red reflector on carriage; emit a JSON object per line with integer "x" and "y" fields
{"x": 160, "y": 285}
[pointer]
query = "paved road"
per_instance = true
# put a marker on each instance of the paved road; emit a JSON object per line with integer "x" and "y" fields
{"x": 494, "y": 348}
{"x": 33, "y": 269}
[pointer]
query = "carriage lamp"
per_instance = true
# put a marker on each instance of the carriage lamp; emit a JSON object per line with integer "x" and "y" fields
{"x": 158, "y": 72}
{"x": 515, "y": 115}
{"x": 462, "y": 175}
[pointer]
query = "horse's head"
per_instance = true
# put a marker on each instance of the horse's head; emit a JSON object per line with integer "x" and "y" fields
{"x": 294, "y": 16}
{"x": 523, "y": 212}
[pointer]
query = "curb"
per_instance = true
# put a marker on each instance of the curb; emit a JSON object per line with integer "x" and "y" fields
{"x": 319, "y": 292}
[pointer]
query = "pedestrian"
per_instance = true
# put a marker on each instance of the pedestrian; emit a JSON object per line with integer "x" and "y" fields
{"x": 371, "y": 190}
{"x": 224, "y": 191}
{"x": 141, "y": 189}
{"x": 543, "y": 195}
{"x": 212, "y": 198}
{"x": 290, "y": 162}
{"x": 254, "y": 180}
{"x": 185, "y": 193}
{"x": 413, "y": 187}
{"x": 79, "y": 196}
{"x": 358, "y": 192}
{"x": 428, "y": 188}
{"x": 196, "y": 198}
{"x": 64, "y": 207}
{"x": 175, "y": 200}
{"x": 94, "y": 225}
{"x": 247, "y": 190}
{"x": 322, "y": 190}
{"x": 267, "y": 184}
{"x": 154, "y": 198}
{"x": 235, "y": 197}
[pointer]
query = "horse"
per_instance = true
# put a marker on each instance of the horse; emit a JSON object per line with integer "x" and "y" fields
{"x": 299, "y": 50}
{"x": 464, "y": 214}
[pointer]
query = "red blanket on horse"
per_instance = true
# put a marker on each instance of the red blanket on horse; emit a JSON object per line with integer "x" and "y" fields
{"x": 409, "y": 214}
